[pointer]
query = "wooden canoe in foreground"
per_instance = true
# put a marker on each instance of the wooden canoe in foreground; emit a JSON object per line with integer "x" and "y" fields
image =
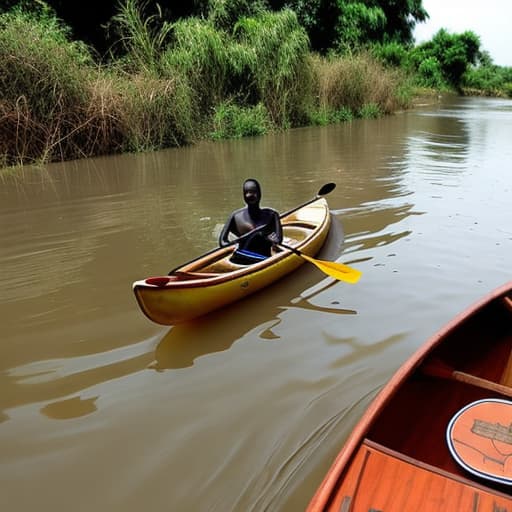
{"x": 438, "y": 437}
{"x": 213, "y": 281}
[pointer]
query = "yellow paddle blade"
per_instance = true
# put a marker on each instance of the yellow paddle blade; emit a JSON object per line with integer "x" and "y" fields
{"x": 339, "y": 271}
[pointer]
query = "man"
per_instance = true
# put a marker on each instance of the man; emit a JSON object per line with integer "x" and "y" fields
{"x": 256, "y": 245}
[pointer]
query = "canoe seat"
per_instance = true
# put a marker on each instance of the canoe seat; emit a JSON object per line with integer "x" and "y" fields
{"x": 300, "y": 224}
{"x": 297, "y": 231}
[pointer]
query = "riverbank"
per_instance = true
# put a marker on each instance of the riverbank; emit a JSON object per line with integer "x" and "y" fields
{"x": 173, "y": 84}
{"x": 59, "y": 103}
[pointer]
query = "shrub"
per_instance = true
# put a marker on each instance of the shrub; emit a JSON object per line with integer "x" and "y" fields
{"x": 232, "y": 121}
{"x": 391, "y": 54}
{"x": 325, "y": 116}
{"x": 488, "y": 79}
{"x": 370, "y": 111}
{"x": 445, "y": 58}
{"x": 430, "y": 74}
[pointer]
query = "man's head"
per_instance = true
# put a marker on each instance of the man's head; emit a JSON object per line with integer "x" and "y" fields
{"x": 252, "y": 191}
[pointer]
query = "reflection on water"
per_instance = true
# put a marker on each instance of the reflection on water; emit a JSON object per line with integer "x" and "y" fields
{"x": 217, "y": 332}
{"x": 70, "y": 408}
{"x": 51, "y": 379}
{"x": 277, "y": 380}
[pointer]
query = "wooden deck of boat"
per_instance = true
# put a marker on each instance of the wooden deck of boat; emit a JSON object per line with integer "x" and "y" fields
{"x": 380, "y": 480}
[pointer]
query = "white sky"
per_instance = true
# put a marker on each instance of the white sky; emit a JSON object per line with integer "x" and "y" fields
{"x": 489, "y": 19}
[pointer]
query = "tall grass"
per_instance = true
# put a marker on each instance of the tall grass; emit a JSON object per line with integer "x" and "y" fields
{"x": 154, "y": 113}
{"x": 212, "y": 77}
{"x": 42, "y": 77}
{"x": 359, "y": 84}
{"x": 279, "y": 64}
{"x": 200, "y": 53}
{"x": 233, "y": 121}
{"x": 57, "y": 104}
{"x": 143, "y": 39}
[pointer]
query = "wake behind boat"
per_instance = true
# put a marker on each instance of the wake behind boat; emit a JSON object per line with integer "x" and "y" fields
{"x": 439, "y": 434}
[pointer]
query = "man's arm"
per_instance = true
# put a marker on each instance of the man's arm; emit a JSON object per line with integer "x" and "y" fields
{"x": 276, "y": 236}
{"x": 224, "y": 234}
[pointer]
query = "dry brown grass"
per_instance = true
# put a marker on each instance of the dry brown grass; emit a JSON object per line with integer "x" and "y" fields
{"x": 354, "y": 81}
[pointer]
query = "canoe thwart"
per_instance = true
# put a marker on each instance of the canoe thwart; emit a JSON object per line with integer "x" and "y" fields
{"x": 437, "y": 368}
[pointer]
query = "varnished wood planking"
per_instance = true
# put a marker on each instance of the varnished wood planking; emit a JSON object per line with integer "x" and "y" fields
{"x": 378, "y": 481}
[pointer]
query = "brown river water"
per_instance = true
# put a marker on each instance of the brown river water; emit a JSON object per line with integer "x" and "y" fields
{"x": 245, "y": 409}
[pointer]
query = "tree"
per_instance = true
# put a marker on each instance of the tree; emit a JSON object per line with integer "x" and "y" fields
{"x": 359, "y": 24}
{"x": 318, "y": 18}
{"x": 454, "y": 53}
{"x": 401, "y": 19}
{"x": 335, "y": 24}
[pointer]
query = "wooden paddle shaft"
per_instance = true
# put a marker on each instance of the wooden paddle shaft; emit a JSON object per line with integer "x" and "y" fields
{"x": 482, "y": 383}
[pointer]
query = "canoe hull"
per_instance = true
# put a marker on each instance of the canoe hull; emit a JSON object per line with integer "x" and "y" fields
{"x": 212, "y": 282}
{"x": 397, "y": 457}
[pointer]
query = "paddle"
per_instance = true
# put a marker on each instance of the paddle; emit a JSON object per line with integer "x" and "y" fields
{"x": 339, "y": 271}
{"x": 324, "y": 190}
{"x": 437, "y": 368}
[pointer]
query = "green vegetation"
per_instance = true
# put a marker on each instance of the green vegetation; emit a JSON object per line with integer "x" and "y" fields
{"x": 449, "y": 62}
{"x": 228, "y": 69}
{"x": 487, "y": 79}
{"x": 232, "y": 121}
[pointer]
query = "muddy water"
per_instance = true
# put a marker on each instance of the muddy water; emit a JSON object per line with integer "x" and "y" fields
{"x": 244, "y": 410}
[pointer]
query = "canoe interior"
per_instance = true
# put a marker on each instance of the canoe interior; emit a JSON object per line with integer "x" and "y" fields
{"x": 297, "y": 228}
{"x": 219, "y": 263}
{"x": 415, "y": 419}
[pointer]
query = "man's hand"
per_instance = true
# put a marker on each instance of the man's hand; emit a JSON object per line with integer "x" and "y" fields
{"x": 273, "y": 238}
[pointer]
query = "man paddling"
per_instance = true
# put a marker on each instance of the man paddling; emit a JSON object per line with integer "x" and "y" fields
{"x": 261, "y": 225}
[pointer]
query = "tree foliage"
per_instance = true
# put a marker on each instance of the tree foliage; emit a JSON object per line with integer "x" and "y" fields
{"x": 448, "y": 54}
{"x": 329, "y": 24}
{"x": 358, "y": 24}
{"x": 342, "y": 24}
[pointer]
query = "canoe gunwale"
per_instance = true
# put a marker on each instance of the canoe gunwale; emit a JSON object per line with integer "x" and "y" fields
{"x": 220, "y": 277}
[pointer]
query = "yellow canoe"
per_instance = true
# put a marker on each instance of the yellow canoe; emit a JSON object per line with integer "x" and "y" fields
{"x": 213, "y": 281}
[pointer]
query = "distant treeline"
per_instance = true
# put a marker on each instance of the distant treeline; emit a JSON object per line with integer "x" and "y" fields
{"x": 80, "y": 79}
